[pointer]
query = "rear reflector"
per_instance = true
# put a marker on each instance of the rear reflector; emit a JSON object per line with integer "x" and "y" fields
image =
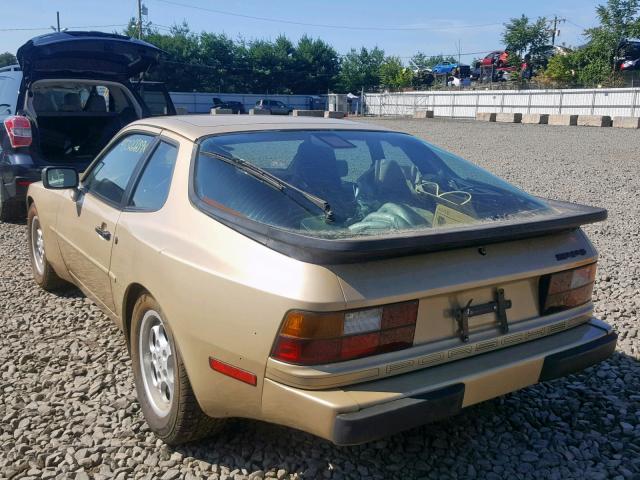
{"x": 312, "y": 338}
{"x": 18, "y": 130}
{"x": 233, "y": 372}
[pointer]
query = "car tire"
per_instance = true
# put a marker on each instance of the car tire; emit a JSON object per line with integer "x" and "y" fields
{"x": 168, "y": 404}
{"x": 43, "y": 273}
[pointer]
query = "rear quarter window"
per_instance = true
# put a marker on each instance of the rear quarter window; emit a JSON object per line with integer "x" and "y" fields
{"x": 153, "y": 186}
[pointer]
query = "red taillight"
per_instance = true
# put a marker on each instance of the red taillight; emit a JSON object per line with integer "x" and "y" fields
{"x": 24, "y": 183}
{"x": 568, "y": 289}
{"x": 18, "y": 130}
{"x": 308, "y": 338}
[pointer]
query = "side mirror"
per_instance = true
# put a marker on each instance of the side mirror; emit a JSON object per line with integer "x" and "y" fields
{"x": 58, "y": 178}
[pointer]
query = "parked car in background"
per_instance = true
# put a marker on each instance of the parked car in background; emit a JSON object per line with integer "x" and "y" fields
{"x": 423, "y": 78}
{"x": 235, "y": 107}
{"x": 628, "y": 55}
{"x": 276, "y": 107}
{"x": 70, "y": 94}
{"x": 497, "y": 58}
{"x": 444, "y": 67}
{"x": 391, "y": 283}
{"x": 10, "y": 79}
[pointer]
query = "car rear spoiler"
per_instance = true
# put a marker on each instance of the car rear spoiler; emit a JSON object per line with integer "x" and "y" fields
{"x": 332, "y": 251}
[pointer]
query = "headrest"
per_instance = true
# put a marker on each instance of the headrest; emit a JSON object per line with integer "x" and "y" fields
{"x": 43, "y": 103}
{"x": 96, "y": 103}
{"x": 72, "y": 103}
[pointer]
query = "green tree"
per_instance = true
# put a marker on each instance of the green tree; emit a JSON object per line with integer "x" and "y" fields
{"x": 316, "y": 65}
{"x": 522, "y": 36}
{"x": 182, "y": 66}
{"x": 394, "y": 75}
{"x": 619, "y": 19}
{"x": 360, "y": 69}
{"x": 270, "y": 64}
{"x": 7, "y": 58}
{"x": 562, "y": 70}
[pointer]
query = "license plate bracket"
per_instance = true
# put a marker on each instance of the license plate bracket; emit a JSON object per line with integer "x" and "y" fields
{"x": 499, "y": 306}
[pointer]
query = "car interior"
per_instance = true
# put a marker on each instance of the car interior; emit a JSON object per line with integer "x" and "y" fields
{"x": 370, "y": 190}
{"x": 74, "y": 120}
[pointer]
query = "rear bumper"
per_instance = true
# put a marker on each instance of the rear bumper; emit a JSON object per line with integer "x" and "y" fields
{"x": 14, "y": 185}
{"x": 368, "y": 411}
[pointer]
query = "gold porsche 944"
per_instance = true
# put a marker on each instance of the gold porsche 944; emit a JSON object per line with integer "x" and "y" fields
{"x": 331, "y": 276}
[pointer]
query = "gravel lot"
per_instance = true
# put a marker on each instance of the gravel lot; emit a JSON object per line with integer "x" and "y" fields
{"x": 68, "y": 407}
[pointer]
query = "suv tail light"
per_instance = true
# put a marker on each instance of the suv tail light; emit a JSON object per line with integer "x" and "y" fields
{"x": 308, "y": 338}
{"x": 19, "y": 131}
{"x": 568, "y": 289}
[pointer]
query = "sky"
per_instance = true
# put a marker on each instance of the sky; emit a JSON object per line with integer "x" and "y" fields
{"x": 399, "y": 27}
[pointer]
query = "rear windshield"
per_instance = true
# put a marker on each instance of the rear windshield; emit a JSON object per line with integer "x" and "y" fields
{"x": 374, "y": 183}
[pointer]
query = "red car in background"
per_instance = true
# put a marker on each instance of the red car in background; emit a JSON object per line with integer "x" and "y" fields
{"x": 497, "y": 58}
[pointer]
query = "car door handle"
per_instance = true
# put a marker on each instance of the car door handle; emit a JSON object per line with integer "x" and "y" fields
{"x": 103, "y": 233}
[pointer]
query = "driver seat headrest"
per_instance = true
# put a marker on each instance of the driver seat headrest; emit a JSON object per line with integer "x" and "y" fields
{"x": 390, "y": 178}
{"x": 316, "y": 163}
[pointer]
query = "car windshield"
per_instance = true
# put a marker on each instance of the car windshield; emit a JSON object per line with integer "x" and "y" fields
{"x": 375, "y": 182}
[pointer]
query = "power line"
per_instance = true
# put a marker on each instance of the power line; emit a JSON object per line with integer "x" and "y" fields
{"x": 34, "y": 29}
{"x": 576, "y": 24}
{"x": 324, "y": 25}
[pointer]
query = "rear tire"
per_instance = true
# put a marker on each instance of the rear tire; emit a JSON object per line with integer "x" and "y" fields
{"x": 164, "y": 391}
{"x": 43, "y": 273}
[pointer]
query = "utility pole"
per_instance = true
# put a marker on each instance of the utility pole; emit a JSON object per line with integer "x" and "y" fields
{"x": 58, "y": 20}
{"x": 140, "y": 19}
{"x": 555, "y": 32}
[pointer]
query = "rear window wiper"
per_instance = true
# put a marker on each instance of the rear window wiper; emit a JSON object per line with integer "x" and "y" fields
{"x": 275, "y": 182}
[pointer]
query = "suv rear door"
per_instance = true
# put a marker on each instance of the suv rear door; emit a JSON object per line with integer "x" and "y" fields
{"x": 91, "y": 55}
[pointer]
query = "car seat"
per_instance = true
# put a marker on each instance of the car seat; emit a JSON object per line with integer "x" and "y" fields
{"x": 386, "y": 182}
{"x": 315, "y": 168}
{"x": 43, "y": 103}
{"x": 95, "y": 103}
{"x": 72, "y": 103}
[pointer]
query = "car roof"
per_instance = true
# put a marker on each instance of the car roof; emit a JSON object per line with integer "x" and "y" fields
{"x": 194, "y": 127}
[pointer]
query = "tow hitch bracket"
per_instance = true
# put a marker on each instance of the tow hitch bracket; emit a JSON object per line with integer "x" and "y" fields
{"x": 499, "y": 307}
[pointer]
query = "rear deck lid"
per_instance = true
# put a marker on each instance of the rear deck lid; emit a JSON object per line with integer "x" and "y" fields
{"x": 85, "y": 55}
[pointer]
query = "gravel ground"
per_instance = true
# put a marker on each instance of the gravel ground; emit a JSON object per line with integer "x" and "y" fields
{"x": 68, "y": 407}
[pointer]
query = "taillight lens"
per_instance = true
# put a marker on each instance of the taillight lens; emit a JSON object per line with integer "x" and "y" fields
{"x": 308, "y": 338}
{"x": 18, "y": 130}
{"x": 568, "y": 289}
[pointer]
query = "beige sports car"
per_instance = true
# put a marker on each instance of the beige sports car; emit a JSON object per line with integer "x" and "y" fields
{"x": 327, "y": 275}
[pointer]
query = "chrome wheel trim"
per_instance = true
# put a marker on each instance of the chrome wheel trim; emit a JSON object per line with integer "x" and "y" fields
{"x": 157, "y": 363}
{"x": 37, "y": 245}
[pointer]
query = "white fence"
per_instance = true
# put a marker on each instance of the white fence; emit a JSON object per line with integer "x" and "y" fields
{"x": 202, "y": 102}
{"x": 599, "y": 101}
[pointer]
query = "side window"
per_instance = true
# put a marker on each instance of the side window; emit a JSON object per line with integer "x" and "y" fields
{"x": 111, "y": 175}
{"x": 153, "y": 186}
